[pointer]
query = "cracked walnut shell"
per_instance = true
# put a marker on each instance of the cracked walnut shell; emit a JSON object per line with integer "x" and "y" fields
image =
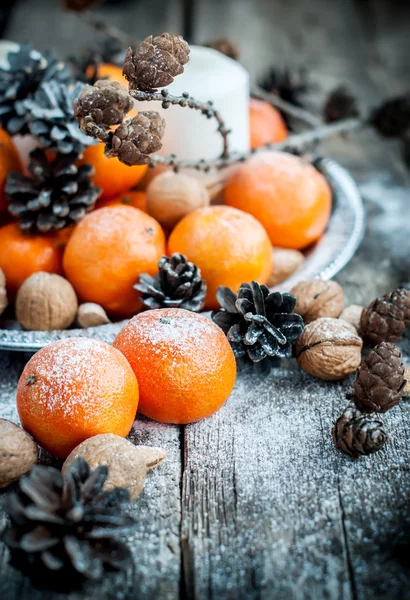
{"x": 329, "y": 349}
{"x": 317, "y": 298}
{"x": 127, "y": 464}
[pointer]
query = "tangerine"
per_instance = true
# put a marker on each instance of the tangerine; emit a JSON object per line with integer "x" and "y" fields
{"x": 108, "y": 251}
{"x": 286, "y": 194}
{"x": 74, "y": 389}
{"x": 111, "y": 175}
{"x": 9, "y": 161}
{"x": 22, "y": 254}
{"x": 109, "y": 71}
{"x": 183, "y": 362}
{"x": 266, "y": 124}
{"x": 135, "y": 198}
{"x": 228, "y": 245}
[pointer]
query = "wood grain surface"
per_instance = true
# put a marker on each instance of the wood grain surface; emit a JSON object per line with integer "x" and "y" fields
{"x": 255, "y": 502}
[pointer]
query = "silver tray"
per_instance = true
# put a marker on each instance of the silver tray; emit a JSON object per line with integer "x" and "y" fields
{"x": 333, "y": 251}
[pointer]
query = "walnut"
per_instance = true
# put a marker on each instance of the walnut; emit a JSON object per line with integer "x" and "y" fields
{"x": 352, "y": 314}
{"x": 46, "y": 301}
{"x": 171, "y": 196}
{"x": 128, "y": 464}
{"x": 285, "y": 263}
{"x": 18, "y": 452}
{"x": 317, "y": 298}
{"x": 90, "y": 314}
{"x": 3, "y": 293}
{"x": 329, "y": 349}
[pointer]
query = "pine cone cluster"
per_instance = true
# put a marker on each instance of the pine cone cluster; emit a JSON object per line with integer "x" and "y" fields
{"x": 224, "y": 46}
{"x": 392, "y": 118}
{"x": 56, "y": 195}
{"x": 155, "y": 62}
{"x": 357, "y": 434}
{"x": 339, "y": 105}
{"x": 290, "y": 85}
{"x": 257, "y": 322}
{"x": 50, "y": 117}
{"x": 386, "y": 318}
{"x": 68, "y": 527}
{"x": 27, "y": 69}
{"x": 377, "y": 388}
{"x": 135, "y": 139}
{"x": 105, "y": 103}
{"x": 178, "y": 284}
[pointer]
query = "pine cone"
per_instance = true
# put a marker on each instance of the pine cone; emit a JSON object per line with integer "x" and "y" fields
{"x": 340, "y": 104}
{"x": 70, "y": 527}
{"x": 290, "y": 85}
{"x": 26, "y": 71}
{"x": 392, "y": 118}
{"x": 358, "y": 434}
{"x": 386, "y": 318}
{"x": 50, "y": 118}
{"x": 178, "y": 284}
{"x": 57, "y": 195}
{"x": 258, "y": 323}
{"x": 135, "y": 139}
{"x": 224, "y": 46}
{"x": 380, "y": 379}
{"x": 155, "y": 62}
{"x": 105, "y": 102}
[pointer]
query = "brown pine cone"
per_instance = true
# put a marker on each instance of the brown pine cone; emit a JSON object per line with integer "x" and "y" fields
{"x": 386, "y": 318}
{"x": 135, "y": 139}
{"x": 380, "y": 379}
{"x": 224, "y": 46}
{"x": 155, "y": 62}
{"x": 105, "y": 102}
{"x": 357, "y": 433}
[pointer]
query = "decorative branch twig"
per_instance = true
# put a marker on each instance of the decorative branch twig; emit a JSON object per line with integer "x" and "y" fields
{"x": 101, "y": 25}
{"x": 288, "y": 108}
{"x": 206, "y": 108}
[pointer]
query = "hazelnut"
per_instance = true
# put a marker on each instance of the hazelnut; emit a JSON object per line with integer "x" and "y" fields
{"x": 3, "y": 293}
{"x": 285, "y": 263}
{"x": 317, "y": 298}
{"x": 171, "y": 196}
{"x": 18, "y": 452}
{"x": 329, "y": 349}
{"x": 90, "y": 314}
{"x": 46, "y": 301}
{"x": 352, "y": 314}
{"x": 128, "y": 464}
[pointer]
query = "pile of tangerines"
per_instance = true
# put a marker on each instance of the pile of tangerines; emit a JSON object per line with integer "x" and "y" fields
{"x": 177, "y": 365}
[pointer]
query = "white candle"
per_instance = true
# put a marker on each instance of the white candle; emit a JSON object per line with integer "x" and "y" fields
{"x": 209, "y": 75}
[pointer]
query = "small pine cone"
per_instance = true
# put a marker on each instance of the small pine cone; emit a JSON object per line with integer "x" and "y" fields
{"x": 357, "y": 434}
{"x": 340, "y": 105}
{"x": 155, "y": 62}
{"x": 106, "y": 103}
{"x": 386, "y": 318}
{"x": 224, "y": 46}
{"x": 135, "y": 139}
{"x": 392, "y": 118}
{"x": 380, "y": 379}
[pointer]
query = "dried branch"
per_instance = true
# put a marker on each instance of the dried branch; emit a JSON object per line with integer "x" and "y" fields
{"x": 206, "y": 108}
{"x": 101, "y": 25}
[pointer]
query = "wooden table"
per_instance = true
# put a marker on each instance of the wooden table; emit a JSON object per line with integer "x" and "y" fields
{"x": 255, "y": 502}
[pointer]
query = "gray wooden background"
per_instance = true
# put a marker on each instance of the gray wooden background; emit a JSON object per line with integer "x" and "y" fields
{"x": 255, "y": 502}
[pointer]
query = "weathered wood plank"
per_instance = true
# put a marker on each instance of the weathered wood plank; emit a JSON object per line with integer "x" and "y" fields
{"x": 155, "y": 542}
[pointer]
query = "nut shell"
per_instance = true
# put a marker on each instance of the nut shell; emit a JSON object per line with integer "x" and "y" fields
{"x": 18, "y": 452}
{"x": 317, "y": 298}
{"x": 329, "y": 349}
{"x": 3, "y": 293}
{"x": 127, "y": 464}
{"x": 46, "y": 301}
{"x": 90, "y": 314}
{"x": 352, "y": 314}
{"x": 285, "y": 263}
{"x": 171, "y": 196}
